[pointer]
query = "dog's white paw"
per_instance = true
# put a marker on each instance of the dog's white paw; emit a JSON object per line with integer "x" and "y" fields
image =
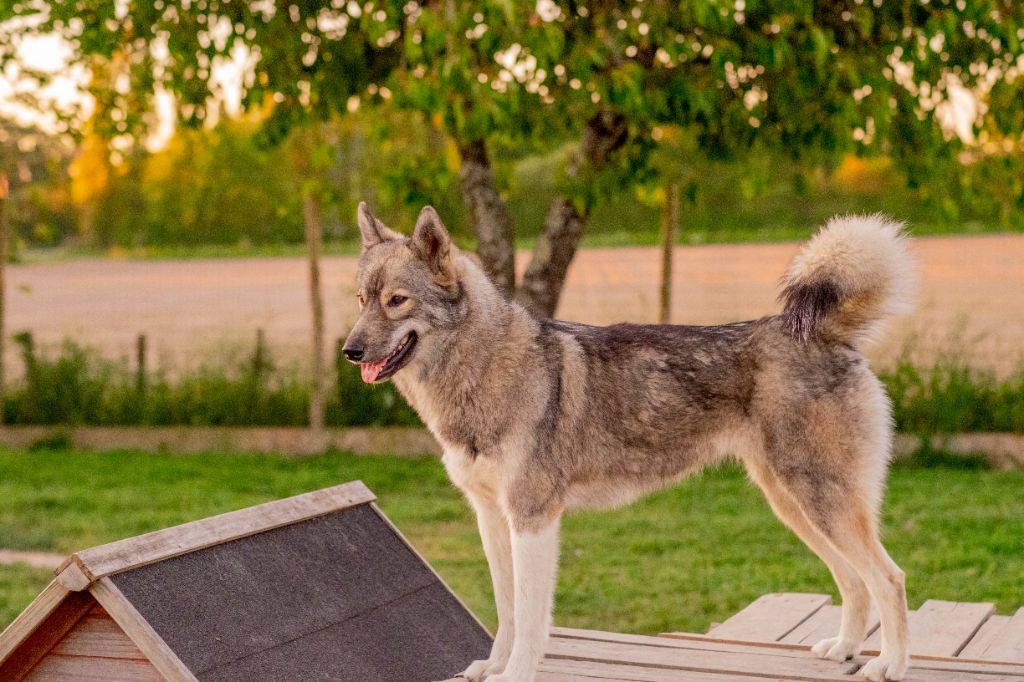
{"x": 884, "y": 668}
{"x": 836, "y": 649}
{"x": 513, "y": 676}
{"x": 481, "y": 670}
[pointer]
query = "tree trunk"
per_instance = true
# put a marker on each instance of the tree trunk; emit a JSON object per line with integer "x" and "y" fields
{"x": 4, "y": 191}
{"x": 314, "y": 235}
{"x": 495, "y": 237}
{"x": 556, "y": 246}
{"x": 553, "y": 251}
{"x": 669, "y": 220}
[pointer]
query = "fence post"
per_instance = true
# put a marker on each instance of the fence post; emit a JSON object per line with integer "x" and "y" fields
{"x": 140, "y": 366}
{"x": 4, "y": 191}
{"x": 259, "y": 356}
{"x": 669, "y": 219}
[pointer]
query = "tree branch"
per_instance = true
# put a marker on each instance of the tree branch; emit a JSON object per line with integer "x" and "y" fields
{"x": 556, "y": 246}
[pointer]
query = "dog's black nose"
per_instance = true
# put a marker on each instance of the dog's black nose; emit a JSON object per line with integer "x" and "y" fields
{"x": 353, "y": 351}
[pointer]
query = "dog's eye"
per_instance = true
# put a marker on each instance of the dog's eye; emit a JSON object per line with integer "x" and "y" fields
{"x": 397, "y": 300}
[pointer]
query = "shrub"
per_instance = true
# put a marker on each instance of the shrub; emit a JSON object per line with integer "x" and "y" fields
{"x": 79, "y": 387}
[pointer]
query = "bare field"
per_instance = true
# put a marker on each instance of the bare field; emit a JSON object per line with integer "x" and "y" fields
{"x": 971, "y": 299}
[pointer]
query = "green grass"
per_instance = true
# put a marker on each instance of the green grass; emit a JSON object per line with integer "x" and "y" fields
{"x": 679, "y": 559}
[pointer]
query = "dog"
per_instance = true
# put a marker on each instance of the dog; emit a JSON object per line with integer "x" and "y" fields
{"x": 537, "y": 417}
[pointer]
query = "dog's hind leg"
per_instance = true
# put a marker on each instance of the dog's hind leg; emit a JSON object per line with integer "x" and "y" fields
{"x": 855, "y": 595}
{"x": 837, "y": 501}
{"x": 497, "y": 541}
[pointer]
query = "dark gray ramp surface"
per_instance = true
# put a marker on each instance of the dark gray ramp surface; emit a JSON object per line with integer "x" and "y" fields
{"x": 336, "y": 597}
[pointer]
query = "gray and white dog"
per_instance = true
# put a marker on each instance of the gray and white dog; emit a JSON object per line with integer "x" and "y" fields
{"x": 537, "y": 417}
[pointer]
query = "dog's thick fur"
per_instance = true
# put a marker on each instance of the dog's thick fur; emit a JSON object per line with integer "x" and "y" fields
{"x": 538, "y": 417}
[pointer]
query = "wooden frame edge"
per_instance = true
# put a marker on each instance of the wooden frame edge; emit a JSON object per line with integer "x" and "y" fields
{"x": 104, "y": 560}
{"x": 140, "y": 631}
{"x": 45, "y": 603}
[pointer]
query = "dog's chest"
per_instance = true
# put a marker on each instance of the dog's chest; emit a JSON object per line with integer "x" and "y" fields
{"x": 480, "y": 477}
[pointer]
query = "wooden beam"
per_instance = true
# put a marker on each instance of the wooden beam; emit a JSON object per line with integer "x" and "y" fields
{"x": 773, "y": 660}
{"x": 39, "y": 627}
{"x": 1003, "y": 640}
{"x": 140, "y": 631}
{"x": 771, "y": 617}
{"x": 940, "y": 628}
{"x": 823, "y": 624}
{"x": 163, "y": 544}
{"x": 31, "y": 618}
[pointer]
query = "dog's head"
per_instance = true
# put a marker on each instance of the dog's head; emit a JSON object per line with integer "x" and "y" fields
{"x": 408, "y": 290}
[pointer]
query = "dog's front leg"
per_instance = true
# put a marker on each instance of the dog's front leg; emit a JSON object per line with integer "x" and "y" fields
{"x": 497, "y": 541}
{"x": 535, "y": 562}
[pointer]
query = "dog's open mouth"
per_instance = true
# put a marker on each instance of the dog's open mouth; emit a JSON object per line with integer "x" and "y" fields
{"x": 385, "y": 367}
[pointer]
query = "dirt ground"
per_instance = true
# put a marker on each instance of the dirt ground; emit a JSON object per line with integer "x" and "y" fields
{"x": 193, "y": 311}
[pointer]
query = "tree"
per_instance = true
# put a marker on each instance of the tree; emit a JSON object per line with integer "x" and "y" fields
{"x": 309, "y": 59}
{"x": 816, "y": 79}
{"x": 614, "y": 85}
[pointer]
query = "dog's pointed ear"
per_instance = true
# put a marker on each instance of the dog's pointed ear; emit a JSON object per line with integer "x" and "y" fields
{"x": 371, "y": 230}
{"x": 432, "y": 244}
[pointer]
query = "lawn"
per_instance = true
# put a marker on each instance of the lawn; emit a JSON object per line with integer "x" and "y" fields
{"x": 680, "y": 559}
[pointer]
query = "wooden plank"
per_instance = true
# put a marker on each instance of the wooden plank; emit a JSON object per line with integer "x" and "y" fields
{"x": 84, "y": 669}
{"x": 983, "y": 637}
{"x": 822, "y": 624}
{"x": 690, "y": 640}
{"x": 31, "y": 618}
{"x": 170, "y": 542}
{"x": 97, "y": 636}
{"x": 71, "y": 576}
{"x": 565, "y": 670}
{"x": 36, "y": 634}
{"x": 140, "y": 632}
{"x": 752, "y": 660}
{"x": 1003, "y": 641}
{"x": 694, "y": 658}
{"x": 940, "y": 628}
{"x": 771, "y": 617}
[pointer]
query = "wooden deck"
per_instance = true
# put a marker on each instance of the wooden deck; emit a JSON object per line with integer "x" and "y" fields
{"x": 771, "y": 638}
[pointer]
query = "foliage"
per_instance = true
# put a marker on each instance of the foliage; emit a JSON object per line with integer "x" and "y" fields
{"x": 40, "y": 210}
{"x": 79, "y": 387}
{"x": 677, "y": 560}
{"x": 952, "y": 396}
{"x": 700, "y": 80}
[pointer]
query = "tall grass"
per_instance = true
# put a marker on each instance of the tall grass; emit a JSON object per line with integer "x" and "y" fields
{"x": 76, "y": 386}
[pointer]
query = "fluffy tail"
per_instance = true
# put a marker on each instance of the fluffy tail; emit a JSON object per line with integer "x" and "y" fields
{"x": 853, "y": 275}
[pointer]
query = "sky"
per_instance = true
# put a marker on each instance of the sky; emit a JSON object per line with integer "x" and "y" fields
{"x": 67, "y": 89}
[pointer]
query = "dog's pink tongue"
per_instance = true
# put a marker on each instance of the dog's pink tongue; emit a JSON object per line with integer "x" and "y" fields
{"x": 371, "y": 370}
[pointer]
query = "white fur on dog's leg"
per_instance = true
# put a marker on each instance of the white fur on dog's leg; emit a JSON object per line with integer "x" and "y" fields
{"x": 836, "y": 649}
{"x": 535, "y": 562}
{"x": 884, "y": 668}
{"x": 497, "y": 542}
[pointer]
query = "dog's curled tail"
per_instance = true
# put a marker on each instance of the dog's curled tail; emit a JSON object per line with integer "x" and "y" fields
{"x": 853, "y": 275}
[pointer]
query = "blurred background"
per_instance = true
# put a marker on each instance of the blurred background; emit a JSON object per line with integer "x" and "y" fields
{"x": 173, "y": 166}
{"x": 178, "y": 183}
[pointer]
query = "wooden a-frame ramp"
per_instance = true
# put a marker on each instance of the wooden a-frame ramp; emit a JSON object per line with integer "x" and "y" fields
{"x": 316, "y": 586}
